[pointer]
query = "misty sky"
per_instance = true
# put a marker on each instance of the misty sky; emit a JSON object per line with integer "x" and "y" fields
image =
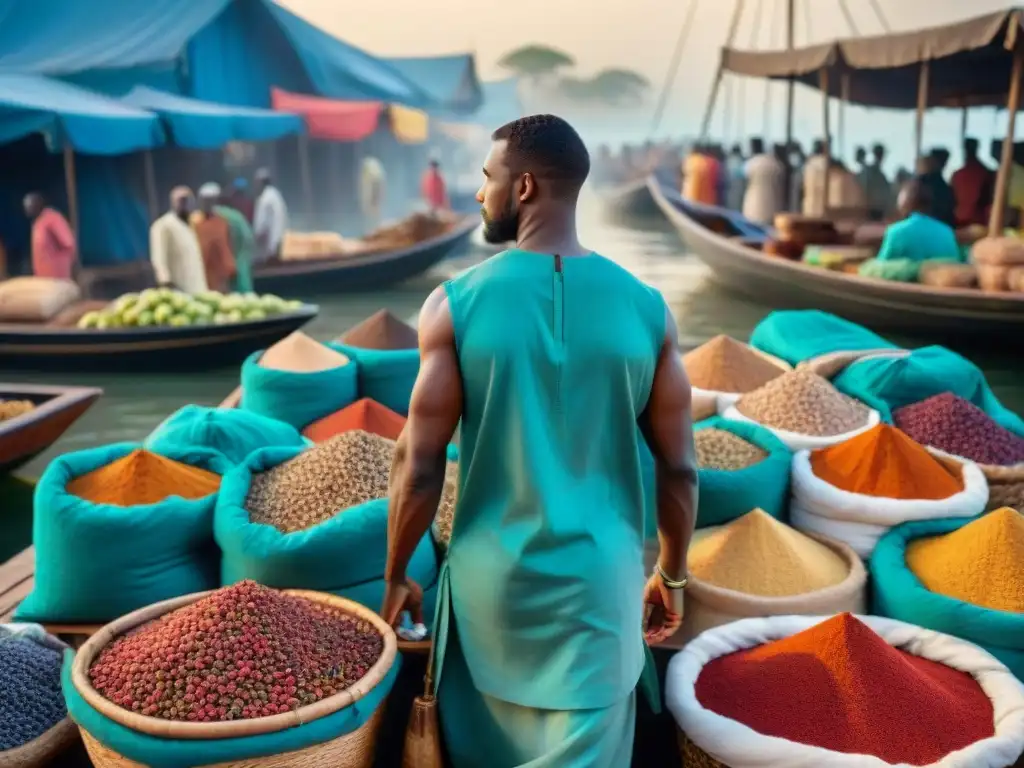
{"x": 641, "y": 34}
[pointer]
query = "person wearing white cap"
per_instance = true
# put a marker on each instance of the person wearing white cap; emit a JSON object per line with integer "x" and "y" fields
{"x": 270, "y": 219}
{"x": 214, "y": 235}
{"x": 174, "y": 249}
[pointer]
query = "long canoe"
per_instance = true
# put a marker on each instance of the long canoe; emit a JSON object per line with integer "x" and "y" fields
{"x": 629, "y": 203}
{"x": 342, "y": 274}
{"x": 720, "y": 238}
{"x": 24, "y": 437}
{"x": 189, "y": 348}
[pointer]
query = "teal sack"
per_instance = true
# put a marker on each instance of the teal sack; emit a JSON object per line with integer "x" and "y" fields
{"x": 348, "y": 551}
{"x": 894, "y": 270}
{"x": 798, "y": 335}
{"x": 96, "y": 562}
{"x": 156, "y": 752}
{"x": 725, "y": 495}
{"x": 385, "y": 375}
{"x": 899, "y": 594}
{"x": 298, "y": 399}
{"x": 230, "y": 433}
{"x": 887, "y": 384}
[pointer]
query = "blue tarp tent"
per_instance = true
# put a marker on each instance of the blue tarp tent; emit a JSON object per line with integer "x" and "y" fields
{"x": 450, "y": 81}
{"x": 500, "y": 105}
{"x": 198, "y": 124}
{"x": 91, "y": 123}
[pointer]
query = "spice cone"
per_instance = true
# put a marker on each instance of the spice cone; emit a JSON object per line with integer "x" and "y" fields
{"x": 298, "y": 353}
{"x": 423, "y": 735}
{"x": 726, "y": 365}
{"x": 381, "y": 330}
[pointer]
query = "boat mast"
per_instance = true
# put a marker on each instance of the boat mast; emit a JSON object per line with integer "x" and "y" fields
{"x": 790, "y": 92}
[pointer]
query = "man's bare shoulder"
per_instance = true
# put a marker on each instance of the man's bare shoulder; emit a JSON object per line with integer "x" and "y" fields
{"x": 435, "y": 323}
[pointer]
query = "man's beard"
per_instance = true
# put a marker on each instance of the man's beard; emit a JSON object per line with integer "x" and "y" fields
{"x": 503, "y": 229}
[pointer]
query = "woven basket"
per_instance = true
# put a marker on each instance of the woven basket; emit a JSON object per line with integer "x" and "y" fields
{"x": 43, "y": 750}
{"x": 695, "y": 757}
{"x": 352, "y": 750}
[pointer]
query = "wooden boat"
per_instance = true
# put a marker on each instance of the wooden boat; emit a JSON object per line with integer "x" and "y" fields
{"x": 726, "y": 242}
{"x": 629, "y": 203}
{"x": 24, "y": 437}
{"x": 361, "y": 272}
{"x": 189, "y": 348}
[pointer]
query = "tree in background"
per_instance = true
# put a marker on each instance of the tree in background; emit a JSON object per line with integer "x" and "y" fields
{"x": 536, "y": 62}
{"x": 541, "y": 65}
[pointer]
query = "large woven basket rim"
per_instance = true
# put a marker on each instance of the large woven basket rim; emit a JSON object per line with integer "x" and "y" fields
{"x": 757, "y": 605}
{"x": 170, "y": 729}
{"x": 43, "y": 748}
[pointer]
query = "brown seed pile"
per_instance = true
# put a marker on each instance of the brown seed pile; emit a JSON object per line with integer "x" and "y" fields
{"x": 446, "y": 509}
{"x": 726, "y": 365}
{"x": 11, "y": 409}
{"x": 805, "y": 403}
{"x": 245, "y": 651}
{"x": 348, "y": 469}
{"x": 719, "y": 449}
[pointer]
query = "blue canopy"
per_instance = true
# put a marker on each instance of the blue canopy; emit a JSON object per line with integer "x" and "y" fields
{"x": 64, "y": 113}
{"x": 500, "y": 105}
{"x": 450, "y": 81}
{"x": 204, "y": 125}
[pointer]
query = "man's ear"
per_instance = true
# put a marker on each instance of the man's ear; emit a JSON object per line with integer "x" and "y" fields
{"x": 528, "y": 188}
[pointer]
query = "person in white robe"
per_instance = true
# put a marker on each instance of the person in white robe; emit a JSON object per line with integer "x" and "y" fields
{"x": 173, "y": 247}
{"x": 765, "y": 180}
{"x": 371, "y": 192}
{"x": 270, "y": 219}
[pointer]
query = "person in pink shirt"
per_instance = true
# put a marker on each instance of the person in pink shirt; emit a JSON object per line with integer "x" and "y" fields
{"x": 54, "y": 250}
{"x": 433, "y": 189}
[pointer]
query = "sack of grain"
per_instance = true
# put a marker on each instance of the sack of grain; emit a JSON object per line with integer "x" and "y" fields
{"x": 713, "y": 739}
{"x": 741, "y": 466}
{"x": 804, "y": 411}
{"x": 998, "y": 251}
{"x": 231, "y": 434}
{"x": 758, "y": 566}
{"x": 314, "y": 518}
{"x": 861, "y": 517}
{"x": 943, "y": 274}
{"x": 977, "y": 552}
{"x": 118, "y": 527}
{"x": 386, "y": 353}
{"x": 35, "y": 299}
{"x": 726, "y": 369}
{"x": 1015, "y": 279}
{"x": 298, "y": 380}
{"x": 993, "y": 278}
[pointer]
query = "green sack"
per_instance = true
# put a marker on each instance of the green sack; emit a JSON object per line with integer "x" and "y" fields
{"x": 385, "y": 375}
{"x": 96, "y": 562}
{"x": 803, "y": 334}
{"x": 156, "y": 752}
{"x": 895, "y": 270}
{"x": 899, "y": 594}
{"x": 725, "y": 495}
{"x": 344, "y": 555}
{"x": 230, "y": 433}
{"x": 298, "y": 399}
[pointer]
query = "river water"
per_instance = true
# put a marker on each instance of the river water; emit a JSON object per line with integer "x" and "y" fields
{"x": 133, "y": 405}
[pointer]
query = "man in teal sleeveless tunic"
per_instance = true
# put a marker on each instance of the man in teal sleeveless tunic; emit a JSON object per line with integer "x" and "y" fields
{"x": 550, "y": 357}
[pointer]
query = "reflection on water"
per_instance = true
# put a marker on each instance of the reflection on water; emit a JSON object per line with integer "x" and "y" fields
{"x": 133, "y": 405}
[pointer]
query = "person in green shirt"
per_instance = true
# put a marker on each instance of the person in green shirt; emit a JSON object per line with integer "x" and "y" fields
{"x": 557, "y": 364}
{"x": 243, "y": 241}
{"x": 918, "y": 236}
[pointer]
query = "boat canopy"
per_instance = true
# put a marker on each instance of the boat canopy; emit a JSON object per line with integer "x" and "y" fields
{"x": 198, "y": 124}
{"x": 68, "y": 115}
{"x": 969, "y": 64}
{"x": 450, "y": 81}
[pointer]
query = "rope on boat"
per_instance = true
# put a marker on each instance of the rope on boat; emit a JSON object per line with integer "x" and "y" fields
{"x": 673, "y": 67}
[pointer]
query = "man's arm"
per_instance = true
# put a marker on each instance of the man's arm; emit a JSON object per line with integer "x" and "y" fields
{"x": 417, "y": 473}
{"x": 667, "y": 426}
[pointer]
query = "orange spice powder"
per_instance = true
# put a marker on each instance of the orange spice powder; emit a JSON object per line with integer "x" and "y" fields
{"x": 142, "y": 477}
{"x": 366, "y": 414}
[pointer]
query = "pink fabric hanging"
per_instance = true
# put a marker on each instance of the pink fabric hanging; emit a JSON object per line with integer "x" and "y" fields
{"x": 330, "y": 119}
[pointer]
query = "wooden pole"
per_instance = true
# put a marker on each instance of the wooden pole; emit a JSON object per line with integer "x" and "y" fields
{"x": 844, "y": 97}
{"x": 790, "y": 93}
{"x": 307, "y": 175}
{"x": 998, "y": 217}
{"x": 922, "y": 107}
{"x": 709, "y": 110}
{"x": 151, "y": 195}
{"x": 826, "y": 135}
{"x": 71, "y": 182}
{"x": 963, "y": 124}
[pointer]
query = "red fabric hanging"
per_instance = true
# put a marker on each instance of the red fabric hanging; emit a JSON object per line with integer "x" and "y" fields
{"x": 330, "y": 119}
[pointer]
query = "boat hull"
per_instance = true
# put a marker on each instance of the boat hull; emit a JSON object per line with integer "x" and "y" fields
{"x": 879, "y": 304}
{"x": 361, "y": 273}
{"x": 629, "y": 203}
{"x": 191, "y": 348}
{"x": 57, "y": 408}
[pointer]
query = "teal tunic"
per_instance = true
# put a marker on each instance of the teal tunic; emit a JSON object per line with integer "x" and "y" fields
{"x": 544, "y": 577}
{"x": 919, "y": 238}
{"x": 243, "y": 245}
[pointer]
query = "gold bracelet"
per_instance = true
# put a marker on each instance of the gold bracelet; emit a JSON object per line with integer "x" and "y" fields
{"x": 670, "y": 583}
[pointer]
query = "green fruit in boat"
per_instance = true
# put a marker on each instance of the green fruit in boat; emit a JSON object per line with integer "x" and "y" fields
{"x": 103, "y": 322}
{"x": 255, "y": 314}
{"x": 146, "y": 318}
{"x": 179, "y": 301}
{"x": 89, "y": 320}
{"x": 127, "y": 301}
{"x": 231, "y": 303}
{"x": 179, "y": 321}
{"x": 235, "y": 315}
{"x": 293, "y": 306}
{"x": 210, "y": 297}
{"x": 221, "y": 318}
{"x": 130, "y": 316}
{"x": 163, "y": 313}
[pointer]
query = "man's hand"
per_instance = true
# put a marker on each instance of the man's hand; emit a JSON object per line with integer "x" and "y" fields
{"x": 399, "y": 597}
{"x": 664, "y": 607}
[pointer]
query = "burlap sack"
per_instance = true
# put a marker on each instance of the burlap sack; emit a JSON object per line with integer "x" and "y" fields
{"x": 35, "y": 299}
{"x": 1015, "y": 279}
{"x": 998, "y": 251}
{"x": 946, "y": 275}
{"x": 993, "y": 278}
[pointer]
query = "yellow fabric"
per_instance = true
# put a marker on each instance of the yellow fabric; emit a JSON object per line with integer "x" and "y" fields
{"x": 1015, "y": 197}
{"x": 410, "y": 126}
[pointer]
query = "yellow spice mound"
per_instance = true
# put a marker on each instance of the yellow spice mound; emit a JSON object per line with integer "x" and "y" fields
{"x": 142, "y": 477}
{"x": 758, "y": 555}
{"x": 981, "y": 563}
{"x": 726, "y": 365}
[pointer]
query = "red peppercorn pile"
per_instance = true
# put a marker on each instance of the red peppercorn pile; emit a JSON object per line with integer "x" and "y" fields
{"x": 245, "y": 651}
{"x": 840, "y": 686}
{"x": 959, "y": 427}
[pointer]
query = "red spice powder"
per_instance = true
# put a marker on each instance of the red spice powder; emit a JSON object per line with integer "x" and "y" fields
{"x": 840, "y": 686}
{"x": 366, "y": 414}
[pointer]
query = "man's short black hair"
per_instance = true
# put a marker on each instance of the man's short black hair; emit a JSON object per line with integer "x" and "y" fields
{"x": 548, "y": 147}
